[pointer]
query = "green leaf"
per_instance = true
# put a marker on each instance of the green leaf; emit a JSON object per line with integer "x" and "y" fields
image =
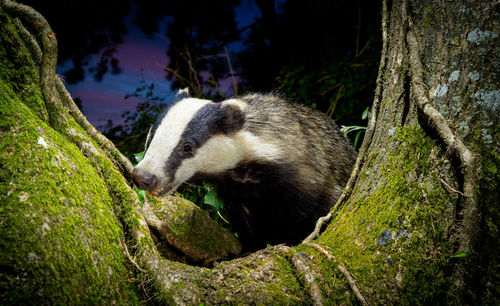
{"x": 459, "y": 255}
{"x": 139, "y": 156}
{"x": 208, "y": 186}
{"x": 141, "y": 194}
{"x": 366, "y": 114}
{"x": 212, "y": 200}
{"x": 357, "y": 138}
{"x": 347, "y": 129}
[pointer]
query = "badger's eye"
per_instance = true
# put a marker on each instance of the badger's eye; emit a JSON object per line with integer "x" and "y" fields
{"x": 187, "y": 148}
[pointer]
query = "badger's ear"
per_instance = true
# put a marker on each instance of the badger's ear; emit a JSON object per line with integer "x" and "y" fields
{"x": 182, "y": 93}
{"x": 232, "y": 119}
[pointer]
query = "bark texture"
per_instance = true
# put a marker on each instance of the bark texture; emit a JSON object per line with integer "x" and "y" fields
{"x": 417, "y": 223}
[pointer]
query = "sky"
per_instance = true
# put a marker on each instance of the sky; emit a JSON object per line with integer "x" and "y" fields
{"x": 140, "y": 59}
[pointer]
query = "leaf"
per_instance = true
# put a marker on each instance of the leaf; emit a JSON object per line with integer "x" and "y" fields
{"x": 141, "y": 194}
{"x": 207, "y": 186}
{"x": 212, "y": 200}
{"x": 347, "y": 129}
{"x": 366, "y": 114}
{"x": 139, "y": 156}
{"x": 459, "y": 255}
{"x": 357, "y": 138}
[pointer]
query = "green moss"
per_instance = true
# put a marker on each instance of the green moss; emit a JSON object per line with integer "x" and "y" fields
{"x": 17, "y": 68}
{"x": 194, "y": 228}
{"x": 59, "y": 238}
{"x": 290, "y": 278}
{"x": 333, "y": 284}
{"x": 395, "y": 237}
{"x": 431, "y": 16}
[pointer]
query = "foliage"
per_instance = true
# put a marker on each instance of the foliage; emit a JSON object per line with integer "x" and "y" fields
{"x": 130, "y": 137}
{"x": 140, "y": 193}
{"x": 92, "y": 32}
{"x": 340, "y": 89}
{"x": 206, "y": 197}
{"x": 353, "y": 128}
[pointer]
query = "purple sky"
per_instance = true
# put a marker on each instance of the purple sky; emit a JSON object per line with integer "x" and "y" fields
{"x": 140, "y": 58}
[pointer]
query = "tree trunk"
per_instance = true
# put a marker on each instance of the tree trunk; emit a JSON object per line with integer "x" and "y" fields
{"x": 417, "y": 223}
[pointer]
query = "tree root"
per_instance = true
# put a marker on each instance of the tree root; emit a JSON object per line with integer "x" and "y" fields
{"x": 352, "y": 283}
{"x": 453, "y": 144}
{"x": 111, "y": 151}
{"x": 193, "y": 253}
{"x": 368, "y": 136}
{"x": 57, "y": 100}
{"x": 344, "y": 271}
{"x": 48, "y": 62}
{"x": 302, "y": 267}
{"x": 52, "y": 86}
{"x": 127, "y": 254}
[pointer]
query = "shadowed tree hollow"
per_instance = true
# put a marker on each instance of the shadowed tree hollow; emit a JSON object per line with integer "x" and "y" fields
{"x": 417, "y": 222}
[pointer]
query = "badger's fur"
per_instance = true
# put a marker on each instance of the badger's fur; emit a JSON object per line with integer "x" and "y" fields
{"x": 277, "y": 166}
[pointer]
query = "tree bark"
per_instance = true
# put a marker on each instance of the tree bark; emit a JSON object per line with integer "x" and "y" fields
{"x": 417, "y": 223}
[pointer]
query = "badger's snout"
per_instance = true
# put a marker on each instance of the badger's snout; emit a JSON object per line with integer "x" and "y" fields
{"x": 144, "y": 180}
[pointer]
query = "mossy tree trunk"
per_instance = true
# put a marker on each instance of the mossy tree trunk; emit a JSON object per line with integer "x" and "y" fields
{"x": 418, "y": 222}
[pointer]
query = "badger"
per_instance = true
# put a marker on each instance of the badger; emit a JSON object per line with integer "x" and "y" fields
{"x": 277, "y": 166}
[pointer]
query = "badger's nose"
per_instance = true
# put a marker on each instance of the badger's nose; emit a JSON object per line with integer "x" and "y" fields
{"x": 144, "y": 180}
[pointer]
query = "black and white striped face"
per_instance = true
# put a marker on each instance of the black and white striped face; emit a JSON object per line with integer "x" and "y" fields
{"x": 194, "y": 136}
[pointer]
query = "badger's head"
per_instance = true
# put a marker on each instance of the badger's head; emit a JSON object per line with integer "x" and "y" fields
{"x": 193, "y": 136}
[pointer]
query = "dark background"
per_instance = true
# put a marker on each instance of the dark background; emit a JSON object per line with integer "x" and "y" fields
{"x": 122, "y": 60}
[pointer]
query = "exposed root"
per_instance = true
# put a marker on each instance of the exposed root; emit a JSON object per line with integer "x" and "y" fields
{"x": 322, "y": 250}
{"x": 190, "y": 250}
{"x": 451, "y": 189}
{"x": 127, "y": 254}
{"x": 353, "y": 286}
{"x": 48, "y": 62}
{"x": 52, "y": 86}
{"x": 30, "y": 40}
{"x": 453, "y": 144}
{"x": 344, "y": 271}
{"x": 369, "y": 132}
{"x": 323, "y": 220}
{"x": 111, "y": 151}
{"x": 302, "y": 267}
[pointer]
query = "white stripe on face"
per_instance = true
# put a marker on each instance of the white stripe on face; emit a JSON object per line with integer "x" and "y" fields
{"x": 221, "y": 153}
{"x": 167, "y": 136}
